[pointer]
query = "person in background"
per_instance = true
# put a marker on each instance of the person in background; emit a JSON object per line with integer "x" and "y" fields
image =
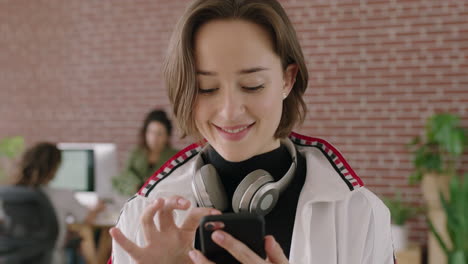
{"x": 152, "y": 152}
{"x": 37, "y": 168}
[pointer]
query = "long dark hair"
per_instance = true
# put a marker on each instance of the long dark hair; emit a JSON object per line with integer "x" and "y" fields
{"x": 38, "y": 165}
{"x": 158, "y": 116}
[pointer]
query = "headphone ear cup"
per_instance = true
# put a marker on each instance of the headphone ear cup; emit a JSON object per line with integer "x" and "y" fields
{"x": 209, "y": 188}
{"x": 245, "y": 191}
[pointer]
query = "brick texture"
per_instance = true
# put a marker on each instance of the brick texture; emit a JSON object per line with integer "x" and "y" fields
{"x": 88, "y": 71}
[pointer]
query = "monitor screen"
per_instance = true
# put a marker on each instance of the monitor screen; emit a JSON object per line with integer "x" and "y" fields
{"x": 76, "y": 172}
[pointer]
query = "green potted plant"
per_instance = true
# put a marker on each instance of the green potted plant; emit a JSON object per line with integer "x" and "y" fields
{"x": 437, "y": 152}
{"x": 400, "y": 213}
{"x": 435, "y": 159}
{"x": 10, "y": 147}
{"x": 456, "y": 210}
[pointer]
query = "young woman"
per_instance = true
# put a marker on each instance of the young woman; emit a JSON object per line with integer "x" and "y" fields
{"x": 37, "y": 169}
{"x": 152, "y": 151}
{"x": 236, "y": 78}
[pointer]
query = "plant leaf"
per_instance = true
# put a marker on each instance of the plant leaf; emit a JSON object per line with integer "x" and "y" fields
{"x": 437, "y": 236}
{"x": 456, "y": 143}
{"x": 11, "y": 146}
{"x": 457, "y": 257}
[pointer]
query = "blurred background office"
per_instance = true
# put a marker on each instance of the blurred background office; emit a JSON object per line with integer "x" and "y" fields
{"x": 88, "y": 71}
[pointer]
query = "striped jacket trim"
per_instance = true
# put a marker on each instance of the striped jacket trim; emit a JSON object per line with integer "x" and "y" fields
{"x": 333, "y": 155}
{"x": 173, "y": 163}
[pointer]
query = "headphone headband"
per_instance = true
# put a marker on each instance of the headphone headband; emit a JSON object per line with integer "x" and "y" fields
{"x": 257, "y": 192}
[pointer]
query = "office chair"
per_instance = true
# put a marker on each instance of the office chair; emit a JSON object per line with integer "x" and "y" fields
{"x": 28, "y": 226}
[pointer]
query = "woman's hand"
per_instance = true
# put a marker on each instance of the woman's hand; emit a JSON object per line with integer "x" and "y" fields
{"x": 100, "y": 206}
{"x": 165, "y": 243}
{"x": 241, "y": 252}
{"x": 93, "y": 213}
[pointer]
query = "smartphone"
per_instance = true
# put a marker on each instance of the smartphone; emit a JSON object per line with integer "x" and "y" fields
{"x": 246, "y": 227}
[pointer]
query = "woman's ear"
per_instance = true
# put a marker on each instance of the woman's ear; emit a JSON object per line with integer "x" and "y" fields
{"x": 289, "y": 78}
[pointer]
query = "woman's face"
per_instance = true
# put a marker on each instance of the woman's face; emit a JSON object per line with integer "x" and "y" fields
{"x": 156, "y": 136}
{"x": 241, "y": 86}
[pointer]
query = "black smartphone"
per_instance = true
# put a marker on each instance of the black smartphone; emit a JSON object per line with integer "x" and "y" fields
{"x": 245, "y": 227}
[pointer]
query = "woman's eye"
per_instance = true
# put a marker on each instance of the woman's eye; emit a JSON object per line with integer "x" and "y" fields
{"x": 206, "y": 91}
{"x": 253, "y": 88}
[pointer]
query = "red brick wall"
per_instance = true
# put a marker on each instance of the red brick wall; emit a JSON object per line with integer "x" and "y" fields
{"x": 90, "y": 70}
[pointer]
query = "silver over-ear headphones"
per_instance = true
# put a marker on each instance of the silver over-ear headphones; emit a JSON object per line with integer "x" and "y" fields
{"x": 257, "y": 193}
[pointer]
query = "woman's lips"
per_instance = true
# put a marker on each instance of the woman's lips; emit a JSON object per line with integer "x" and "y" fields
{"x": 234, "y": 133}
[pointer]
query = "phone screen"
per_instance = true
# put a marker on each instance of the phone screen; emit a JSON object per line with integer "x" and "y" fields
{"x": 246, "y": 227}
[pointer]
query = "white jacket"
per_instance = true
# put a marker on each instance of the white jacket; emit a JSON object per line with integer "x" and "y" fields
{"x": 338, "y": 221}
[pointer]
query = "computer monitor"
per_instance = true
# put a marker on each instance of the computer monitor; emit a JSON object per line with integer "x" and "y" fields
{"x": 87, "y": 167}
{"x": 76, "y": 172}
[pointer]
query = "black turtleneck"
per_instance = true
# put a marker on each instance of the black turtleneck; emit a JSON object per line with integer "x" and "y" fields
{"x": 280, "y": 221}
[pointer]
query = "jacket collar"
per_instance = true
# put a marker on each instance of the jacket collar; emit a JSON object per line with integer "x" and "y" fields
{"x": 329, "y": 176}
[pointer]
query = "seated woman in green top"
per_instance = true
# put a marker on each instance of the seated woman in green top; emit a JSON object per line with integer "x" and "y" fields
{"x": 151, "y": 153}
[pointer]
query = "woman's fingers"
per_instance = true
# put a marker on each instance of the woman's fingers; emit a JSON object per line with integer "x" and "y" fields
{"x": 198, "y": 258}
{"x": 193, "y": 219}
{"x": 147, "y": 220}
{"x": 236, "y": 248}
{"x": 166, "y": 217}
{"x": 132, "y": 249}
{"x": 274, "y": 251}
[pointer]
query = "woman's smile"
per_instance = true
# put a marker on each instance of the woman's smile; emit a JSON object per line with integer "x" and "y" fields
{"x": 234, "y": 133}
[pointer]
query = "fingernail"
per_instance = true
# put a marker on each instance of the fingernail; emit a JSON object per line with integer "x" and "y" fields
{"x": 218, "y": 236}
{"x": 156, "y": 202}
{"x": 193, "y": 255}
{"x": 215, "y": 212}
{"x": 274, "y": 241}
{"x": 182, "y": 202}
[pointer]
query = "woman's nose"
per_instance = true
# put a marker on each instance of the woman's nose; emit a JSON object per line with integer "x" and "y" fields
{"x": 232, "y": 104}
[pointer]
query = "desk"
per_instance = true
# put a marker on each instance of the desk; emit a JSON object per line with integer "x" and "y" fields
{"x": 96, "y": 254}
{"x": 411, "y": 255}
{"x": 92, "y": 253}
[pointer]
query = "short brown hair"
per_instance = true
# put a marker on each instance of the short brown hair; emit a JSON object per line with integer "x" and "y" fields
{"x": 179, "y": 67}
{"x": 38, "y": 165}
